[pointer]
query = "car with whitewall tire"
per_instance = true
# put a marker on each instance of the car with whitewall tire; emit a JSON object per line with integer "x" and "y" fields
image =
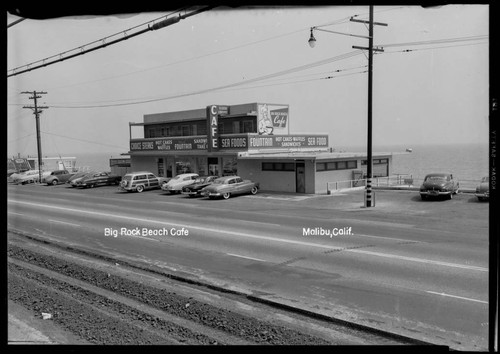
{"x": 141, "y": 181}
{"x": 176, "y": 184}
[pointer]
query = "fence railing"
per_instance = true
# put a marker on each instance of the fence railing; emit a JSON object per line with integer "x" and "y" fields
{"x": 403, "y": 181}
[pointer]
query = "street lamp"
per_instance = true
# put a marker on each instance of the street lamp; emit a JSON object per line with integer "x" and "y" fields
{"x": 312, "y": 40}
{"x": 312, "y": 43}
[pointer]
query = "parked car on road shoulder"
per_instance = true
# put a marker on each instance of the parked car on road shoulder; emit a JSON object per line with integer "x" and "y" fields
{"x": 141, "y": 181}
{"x": 31, "y": 176}
{"x": 98, "y": 179}
{"x": 57, "y": 176}
{"x": 483, "y": 189}
{"x": 176, "y": 183}
{"x": 439, "y": 184}
{"x": 194, "y": 189}
{"x": 230, "y": 185}
{"x": 77, "y": 177}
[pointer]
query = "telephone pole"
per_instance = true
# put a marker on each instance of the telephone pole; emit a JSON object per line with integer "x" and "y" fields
{"x": 371, "y": 49}
{"x": 36, "y": 111}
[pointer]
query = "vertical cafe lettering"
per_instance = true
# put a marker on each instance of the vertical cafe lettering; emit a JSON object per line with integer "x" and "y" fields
{"x": 213, "y": 132}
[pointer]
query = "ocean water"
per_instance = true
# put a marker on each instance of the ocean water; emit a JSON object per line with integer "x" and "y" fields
{"x": 95, "y": 161}
{"x": 467, "y": 162}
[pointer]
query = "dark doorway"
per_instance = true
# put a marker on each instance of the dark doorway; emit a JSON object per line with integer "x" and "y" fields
{"x": 300, "y": 177}
{"x": 213, "y": 166}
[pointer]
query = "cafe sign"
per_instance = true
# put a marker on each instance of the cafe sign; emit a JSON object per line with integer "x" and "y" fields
{"x": 238, "y": 142}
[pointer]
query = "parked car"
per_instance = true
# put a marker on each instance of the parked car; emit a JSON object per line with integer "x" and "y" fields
{"x": 74, "y": 180}
{"x": 194, "y": 189}
{"x": 140, "y": 181}
{"x": 483, "y": 189}
{"x": 176, "y": 183}
{"x": 30, "y": 176}
{"x": 439, "y": 184}
{"x": 56, "y": 177}
{"x": 98, "y": 179}
{"x": 230, "y": 185}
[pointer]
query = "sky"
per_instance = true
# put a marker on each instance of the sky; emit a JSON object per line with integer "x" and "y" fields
{"x": 430, "y": 85}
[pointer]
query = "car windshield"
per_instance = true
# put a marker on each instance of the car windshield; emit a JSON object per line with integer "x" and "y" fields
{"x": 199, "y": 180}
{"x": 127, "y": 178}
{"x": 219, "y": 181}
{"x": 485, "y": 179}
{"x": 436, "y": 178}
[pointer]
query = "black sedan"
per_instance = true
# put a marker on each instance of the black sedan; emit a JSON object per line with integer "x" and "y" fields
{"x": 438, "y": 185}
{"x": 483, "y": 189}
{"x": 98, "y": 179}
{"x": 194, "y": 189}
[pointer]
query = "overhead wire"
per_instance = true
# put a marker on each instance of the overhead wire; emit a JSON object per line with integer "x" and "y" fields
{"x": 81, "y": 49}
{"x": 285, "y": 72}
{"x": 82, "y": 140}
{"x": 236, "y": 84}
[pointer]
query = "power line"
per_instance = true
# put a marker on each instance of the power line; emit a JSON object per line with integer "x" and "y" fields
{"x": 261, "y": 78}
{"x": 83, "y": 140}
{"x": 188, "y": 59}
{"x": 23, "y": 137}
{"x": 296, "y": 69}
{"x": 437, "y": 41}
{"x": 15, "y": 22}
{"x": 80, "y": 50}
{"x": 343, "y": 20}
{"x": 430, "y": 48}
{"x": 301, "y": 81}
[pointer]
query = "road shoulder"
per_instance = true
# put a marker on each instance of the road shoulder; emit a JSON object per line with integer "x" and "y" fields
{"x": 25, "y": 328}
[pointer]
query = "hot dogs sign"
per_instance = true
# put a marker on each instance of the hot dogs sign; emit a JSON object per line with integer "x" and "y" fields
{"x": 271, "y": 121}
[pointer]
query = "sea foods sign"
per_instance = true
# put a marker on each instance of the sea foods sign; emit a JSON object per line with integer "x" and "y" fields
{"x": 287, "y": 142}
{"x": 240, "y": 142}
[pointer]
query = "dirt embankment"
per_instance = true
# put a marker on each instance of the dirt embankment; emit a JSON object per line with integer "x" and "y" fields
{"x": 101, "y": 302}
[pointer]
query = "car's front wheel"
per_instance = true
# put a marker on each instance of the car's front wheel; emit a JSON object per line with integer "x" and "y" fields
{"x": 54, "y": 182}
{"x": 226, "y": 195}
{"x": 254, "y": 190}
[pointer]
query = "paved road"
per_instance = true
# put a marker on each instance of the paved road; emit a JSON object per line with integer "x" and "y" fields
{"x": 410, "y": 267}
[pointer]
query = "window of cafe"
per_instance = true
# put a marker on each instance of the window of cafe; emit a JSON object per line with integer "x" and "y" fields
{"x": 161, "y": 167}
{"x": 229, "y": 166}
{"x": 183, "y": 167}
{"x": 202, "y": 166}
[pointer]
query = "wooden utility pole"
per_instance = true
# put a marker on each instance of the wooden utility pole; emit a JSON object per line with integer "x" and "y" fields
{"x": 36, "y": 111}
{"x": 370, "y": 49}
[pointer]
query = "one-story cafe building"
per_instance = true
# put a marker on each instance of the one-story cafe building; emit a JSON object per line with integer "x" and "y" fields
{"x": 250, "y": 140}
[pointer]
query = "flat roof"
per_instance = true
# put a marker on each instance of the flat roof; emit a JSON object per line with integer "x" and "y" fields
{"x": 308, "y": 155}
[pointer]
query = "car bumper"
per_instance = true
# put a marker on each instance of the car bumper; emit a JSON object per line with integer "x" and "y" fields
{"x": 485, "y": 195}
{"x": 211, "y": 194}
{"x": 190, "y": 193}
{"x": 171, "y": 189}
{"x": 435, "y": 193}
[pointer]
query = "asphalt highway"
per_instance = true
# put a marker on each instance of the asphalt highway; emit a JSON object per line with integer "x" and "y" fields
{"x": 410, "y": 267}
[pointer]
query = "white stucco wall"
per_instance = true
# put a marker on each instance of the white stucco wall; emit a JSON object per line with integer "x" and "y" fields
{"x": 280, "y": 181}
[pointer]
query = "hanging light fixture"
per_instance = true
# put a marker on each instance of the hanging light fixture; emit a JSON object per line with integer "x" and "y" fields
{"x": 312, "y": 40}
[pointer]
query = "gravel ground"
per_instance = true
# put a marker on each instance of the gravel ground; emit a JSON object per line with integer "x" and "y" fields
{"x": 99, "y": 319}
